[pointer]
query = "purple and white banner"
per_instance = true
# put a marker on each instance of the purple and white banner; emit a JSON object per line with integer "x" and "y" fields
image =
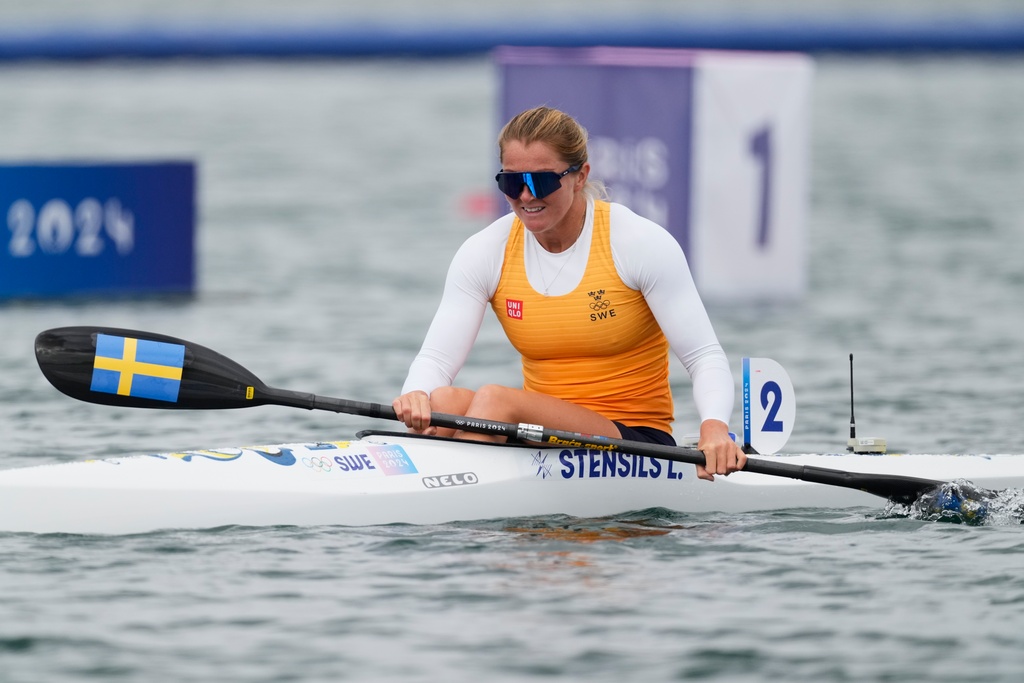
{"x": 711, "y": 145}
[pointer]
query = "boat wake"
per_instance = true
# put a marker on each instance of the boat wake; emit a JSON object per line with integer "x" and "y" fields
{"x": 961, "y": 502}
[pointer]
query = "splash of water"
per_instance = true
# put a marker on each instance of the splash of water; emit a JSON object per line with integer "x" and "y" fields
{"x": 962, "y": 502}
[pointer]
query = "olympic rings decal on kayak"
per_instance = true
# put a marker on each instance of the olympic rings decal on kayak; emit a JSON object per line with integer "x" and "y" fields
{"x": 318, "y": 464}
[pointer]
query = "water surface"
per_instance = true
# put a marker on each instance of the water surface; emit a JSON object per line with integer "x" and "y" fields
{"x": 332, "y": 196}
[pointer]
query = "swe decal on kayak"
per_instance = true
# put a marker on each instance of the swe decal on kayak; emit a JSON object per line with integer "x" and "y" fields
{"x": 388, "y": 460}
{"x": 586, "y": 463}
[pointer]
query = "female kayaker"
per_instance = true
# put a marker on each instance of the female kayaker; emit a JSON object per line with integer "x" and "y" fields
{"x": 592, "y": 296}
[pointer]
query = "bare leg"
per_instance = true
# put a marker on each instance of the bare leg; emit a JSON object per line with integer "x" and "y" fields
{"x": 504, "y": 404}
{"x": 451, "y": 400}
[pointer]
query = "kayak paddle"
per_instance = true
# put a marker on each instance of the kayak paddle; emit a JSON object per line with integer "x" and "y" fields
{"x": 121, "y": 367}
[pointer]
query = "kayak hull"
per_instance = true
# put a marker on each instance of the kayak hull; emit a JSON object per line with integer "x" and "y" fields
{"x": 390, "y": 478}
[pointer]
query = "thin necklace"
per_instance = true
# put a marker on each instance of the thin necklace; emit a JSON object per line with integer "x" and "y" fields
{"x": 568, "y": 257}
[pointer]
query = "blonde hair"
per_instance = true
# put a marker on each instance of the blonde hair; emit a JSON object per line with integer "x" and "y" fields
{"x": 559, "y": 131}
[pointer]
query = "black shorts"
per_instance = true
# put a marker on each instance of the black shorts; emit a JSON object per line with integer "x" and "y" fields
{"x": 645, "y": 435}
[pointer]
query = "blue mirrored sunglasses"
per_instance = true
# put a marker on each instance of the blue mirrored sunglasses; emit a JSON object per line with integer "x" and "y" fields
{"x": 541, "y": 183}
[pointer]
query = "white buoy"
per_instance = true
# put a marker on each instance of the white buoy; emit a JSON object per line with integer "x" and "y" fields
{"x": 864, "y": 444}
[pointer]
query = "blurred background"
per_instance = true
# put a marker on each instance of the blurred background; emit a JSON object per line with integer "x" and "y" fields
{"x": 453, "y": 12}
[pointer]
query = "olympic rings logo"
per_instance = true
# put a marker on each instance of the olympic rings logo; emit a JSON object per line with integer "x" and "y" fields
{"x": 600, "y": 305}
{"x": 318, "y": 464}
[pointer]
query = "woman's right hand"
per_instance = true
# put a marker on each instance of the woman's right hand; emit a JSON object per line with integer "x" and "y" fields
{"x": 413, "y": 409}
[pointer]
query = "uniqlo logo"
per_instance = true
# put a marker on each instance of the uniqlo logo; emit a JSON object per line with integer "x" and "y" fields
{"x": 514, "y": 308}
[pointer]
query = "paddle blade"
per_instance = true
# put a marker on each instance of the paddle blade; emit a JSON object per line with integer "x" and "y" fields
{"x": 137, "y": 369}
{"x": 958, "y": 501}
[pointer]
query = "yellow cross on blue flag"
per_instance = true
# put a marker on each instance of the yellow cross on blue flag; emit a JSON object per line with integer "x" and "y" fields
{"x": 137, "y": 367}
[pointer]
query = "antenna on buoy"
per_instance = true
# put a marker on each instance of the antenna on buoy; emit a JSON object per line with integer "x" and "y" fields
{"x": 853, "y": 422}
{"x": 866, "y": 444}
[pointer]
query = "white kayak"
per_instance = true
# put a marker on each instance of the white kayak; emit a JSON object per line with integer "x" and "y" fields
{"x": 388, "y": 478}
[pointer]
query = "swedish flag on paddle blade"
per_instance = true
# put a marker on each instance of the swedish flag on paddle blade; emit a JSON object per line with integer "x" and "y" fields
{"x": 137, "y": 367}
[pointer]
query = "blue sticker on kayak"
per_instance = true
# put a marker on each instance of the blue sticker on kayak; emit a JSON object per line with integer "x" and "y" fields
{"x": 137, "y": 367}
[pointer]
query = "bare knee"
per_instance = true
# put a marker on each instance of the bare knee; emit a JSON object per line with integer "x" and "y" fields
{"x": 452, "y": 401}
{"x": 489, "y": 402}
{"x": 445, "y": 399}
{"x": 492, "y": 400}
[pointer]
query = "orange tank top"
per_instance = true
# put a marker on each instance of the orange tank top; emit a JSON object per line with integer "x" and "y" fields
{"x": 598, "y": 346}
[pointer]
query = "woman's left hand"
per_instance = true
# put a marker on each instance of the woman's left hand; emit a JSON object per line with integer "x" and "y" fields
{"x": 722, "y": 454}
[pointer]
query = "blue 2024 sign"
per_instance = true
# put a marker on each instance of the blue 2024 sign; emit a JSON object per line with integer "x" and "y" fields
{"x": 94, "y": 229}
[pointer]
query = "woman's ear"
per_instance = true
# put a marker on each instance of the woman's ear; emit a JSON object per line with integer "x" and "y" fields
{"x": 581, "y": 176}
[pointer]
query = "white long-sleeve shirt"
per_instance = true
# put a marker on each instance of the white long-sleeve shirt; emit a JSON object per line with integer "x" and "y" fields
{"x": 647, "y": 258}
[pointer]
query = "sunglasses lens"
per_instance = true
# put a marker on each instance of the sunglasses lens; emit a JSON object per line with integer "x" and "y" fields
{"x": 510, "y": 183}
{"x": 541, "y": 184}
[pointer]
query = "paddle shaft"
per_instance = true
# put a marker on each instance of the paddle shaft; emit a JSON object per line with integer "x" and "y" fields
{"x": 69, "y": 357}
{"x": 901, "y": 489}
